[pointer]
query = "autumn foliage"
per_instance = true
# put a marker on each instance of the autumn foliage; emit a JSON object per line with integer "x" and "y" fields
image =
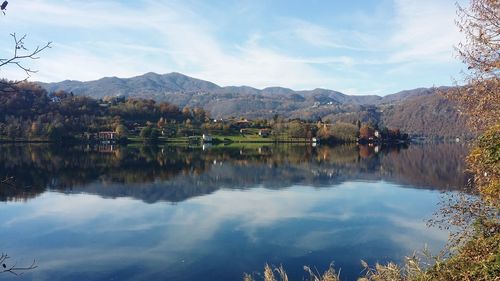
{"x": 479, "y": 99}
{"x": 366, "y": 132}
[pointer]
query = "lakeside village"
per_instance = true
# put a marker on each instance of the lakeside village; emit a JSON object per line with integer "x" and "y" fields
{"x": 221, "y": 131}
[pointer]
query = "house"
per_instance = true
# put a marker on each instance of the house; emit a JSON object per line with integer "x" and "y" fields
{"x": 105, "y": 137}
{"x": 264, "y": 133}
{"x": 206, "y": 138}
{"x": 242, "y": 123}
{"x": 110, "y": 135}
{"x": 55, "y": 99}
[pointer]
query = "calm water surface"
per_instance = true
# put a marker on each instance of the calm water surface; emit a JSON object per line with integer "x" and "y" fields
{"x": 179, "y": 213}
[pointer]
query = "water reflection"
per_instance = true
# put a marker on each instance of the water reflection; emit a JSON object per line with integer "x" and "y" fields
{"x": 85, "y": 237}
{"x": 181, "y": 213}
{"x": 176, "y": 173}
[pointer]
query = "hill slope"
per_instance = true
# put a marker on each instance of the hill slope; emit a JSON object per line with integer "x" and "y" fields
{"x": 421, "y": 111}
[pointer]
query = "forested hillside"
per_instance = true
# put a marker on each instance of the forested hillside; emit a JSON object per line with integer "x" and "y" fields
{"x": 422, "y": 111}
{"x": 28, "y": 111}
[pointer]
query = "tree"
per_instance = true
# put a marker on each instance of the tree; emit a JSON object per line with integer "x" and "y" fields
{"x": 297, "y": 130}
{"x": 121, "y": 130}
{"x": 149, "y": 134}
{"x": 344, "y": 132}
{"x": 366, "y": 132}
{"x": 155, "y": 134}
{"x": 56, "y": 132}
{"x": 323, "y": 131}
{"x": 479, "y": 99}
{"x": 160, "y": 123}
{"x": 35, "y": 128}
{"x": 186, "y": 112}
{"x": 275, "y": 118}
{"x": 476, "y": 217}
{"x": 146, "y": 132}
{"x": 199, "y": 115}
{"x": 278, "y": 127}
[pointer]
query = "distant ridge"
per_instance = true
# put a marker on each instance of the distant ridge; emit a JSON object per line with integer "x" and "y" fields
{"x": 421, "y": 111}
{"x": 153, "y": 84}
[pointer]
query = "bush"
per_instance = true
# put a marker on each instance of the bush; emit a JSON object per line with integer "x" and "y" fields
{"x": 338, "y": 133}
{"x": 149, "y": 134}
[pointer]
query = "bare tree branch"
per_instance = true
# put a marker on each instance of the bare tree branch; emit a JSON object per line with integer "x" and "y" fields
{"x": 21, "y": 53}
{"x": 14, "y": 269}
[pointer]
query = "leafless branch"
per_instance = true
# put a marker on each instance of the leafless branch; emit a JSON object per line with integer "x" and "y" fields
{"x": 21, "y": 53}
{"x": 14, "y": 269}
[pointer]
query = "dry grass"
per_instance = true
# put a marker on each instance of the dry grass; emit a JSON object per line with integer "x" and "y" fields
{"x": 328, "y": 275}
{"x": 411, "y": 271}
{"x": 477, "y": 260}
{"x": 279, "y": 274}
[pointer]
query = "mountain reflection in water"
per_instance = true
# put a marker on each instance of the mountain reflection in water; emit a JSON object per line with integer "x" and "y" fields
{"x": 177, "y": 173}
{"x": 180, "y": 213}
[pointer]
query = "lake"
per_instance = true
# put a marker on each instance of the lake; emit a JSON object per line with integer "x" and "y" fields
{"x": 213, "y": 213}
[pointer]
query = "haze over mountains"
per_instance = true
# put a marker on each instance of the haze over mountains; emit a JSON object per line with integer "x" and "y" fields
{"x": 422, "y": 111}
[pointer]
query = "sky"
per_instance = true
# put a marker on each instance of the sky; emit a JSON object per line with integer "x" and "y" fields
{"x": 356, "y": 47}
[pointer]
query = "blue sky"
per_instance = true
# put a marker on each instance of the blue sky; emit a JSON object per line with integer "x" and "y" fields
{"x": 357, "y": 47}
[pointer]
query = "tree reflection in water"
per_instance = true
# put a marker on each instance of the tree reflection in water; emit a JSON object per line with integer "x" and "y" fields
{"x": 176, "y": 173}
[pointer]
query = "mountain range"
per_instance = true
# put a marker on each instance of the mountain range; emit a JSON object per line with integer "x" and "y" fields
{"x": 421, "y": 112}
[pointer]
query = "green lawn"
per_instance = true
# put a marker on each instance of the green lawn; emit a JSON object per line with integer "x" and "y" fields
{"x": 250, "y": 136}
{"x": 160, "y": 139}
{"x": 255, "y": 138}
{"x": 245, "y": 138}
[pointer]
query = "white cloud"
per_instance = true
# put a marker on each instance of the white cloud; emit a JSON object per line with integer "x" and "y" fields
{"x": 186, "y": 230}
{"x": 93, "y": 39}
{"x": 320, "y": 36}
{"x": 184, "y": 43}
{"x": 424, "y": 31}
